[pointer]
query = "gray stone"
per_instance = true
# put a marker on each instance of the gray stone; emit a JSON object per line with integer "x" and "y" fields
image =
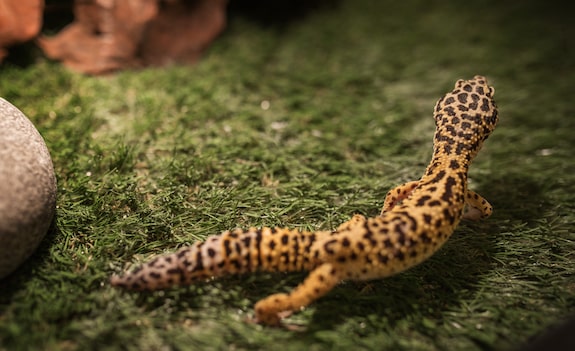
{"x": 27, "y": 188}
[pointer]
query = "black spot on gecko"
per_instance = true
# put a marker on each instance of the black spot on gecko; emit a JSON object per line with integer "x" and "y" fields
{"x": 382, "y": 258}
{"x": 387, "y": 243}
{"x": 199, "y": 262}
{"x": 400, "y": 230}
{"x": 460, "y": 147}
{"x": 247, "y": 240}
{"x": 236, "y": 263}
{"x": 174, "y": 271}
{"x": 434, "y": 203}
{"x": 327, "y": 246}
{"x": 447, "y": 215}
{"x": 227, "y": 247}
{"x": 424, "y": 238}
{"x": 369, "y": 237}
{"x": 233, "y": 235}
{"x": 258, "y": 243}
{"x": 296, "y": 256}
{"x": 345, "y": 242}
{"x": 186, "y": 263}
{"x": 450, "y": 111}
{"x": 439, "y": 176}
{"x": 449, "y": 184}
{"x": 421, "y": 201}
{"x": 485, "y": 105}
{"x": 401, "y": 238}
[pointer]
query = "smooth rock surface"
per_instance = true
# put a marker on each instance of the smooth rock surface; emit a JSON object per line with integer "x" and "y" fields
{"x": 27, "y": 188}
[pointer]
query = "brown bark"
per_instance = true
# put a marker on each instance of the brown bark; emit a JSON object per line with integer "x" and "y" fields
{"x": 109, "y": 35}
{"x": 20, "y": 21}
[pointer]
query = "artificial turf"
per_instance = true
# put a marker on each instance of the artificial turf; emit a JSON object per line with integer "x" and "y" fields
{"x": 302, "y": 121}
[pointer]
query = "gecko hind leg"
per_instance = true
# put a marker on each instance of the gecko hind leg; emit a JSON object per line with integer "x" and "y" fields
{"x": 395, "y": 195}
{"x": 319, "y": 282}
{"x": 477, "y": 207}
{"x": 353, "y": 221}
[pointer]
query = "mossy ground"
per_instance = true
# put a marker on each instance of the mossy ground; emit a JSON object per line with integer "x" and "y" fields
{"x": 302, "y": 122}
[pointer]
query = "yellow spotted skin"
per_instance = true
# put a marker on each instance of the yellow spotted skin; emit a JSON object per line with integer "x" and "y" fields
{"x": 416, "y": 220}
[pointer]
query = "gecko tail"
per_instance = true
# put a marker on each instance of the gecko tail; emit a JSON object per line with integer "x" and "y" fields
{"x": 232, "y": 252}
{"x": 160, "y": 273}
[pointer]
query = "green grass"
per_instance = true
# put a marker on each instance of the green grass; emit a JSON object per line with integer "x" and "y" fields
{"x": 148, "y": 161}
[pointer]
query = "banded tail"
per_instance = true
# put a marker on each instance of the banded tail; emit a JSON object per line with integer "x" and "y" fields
{"x": 232, "y": 252}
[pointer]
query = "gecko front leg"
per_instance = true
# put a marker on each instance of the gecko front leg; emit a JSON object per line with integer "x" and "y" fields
{"x": 477, "y": 207}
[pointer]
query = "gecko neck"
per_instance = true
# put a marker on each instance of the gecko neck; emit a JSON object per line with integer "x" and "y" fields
{"x": 453, "y": 152}
{"x": 449, "y": 162}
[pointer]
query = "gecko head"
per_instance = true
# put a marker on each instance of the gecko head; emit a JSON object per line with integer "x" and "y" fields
{"x": 468, "y": 114}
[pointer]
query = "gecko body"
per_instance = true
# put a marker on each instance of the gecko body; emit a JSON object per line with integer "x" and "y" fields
{"x": 416, "y": 220}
